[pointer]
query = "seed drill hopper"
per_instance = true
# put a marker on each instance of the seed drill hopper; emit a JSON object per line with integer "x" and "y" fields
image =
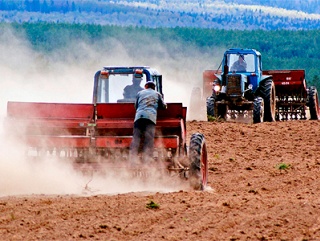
{"x": 294, "y": 100}
{"x": 99, "y": 134}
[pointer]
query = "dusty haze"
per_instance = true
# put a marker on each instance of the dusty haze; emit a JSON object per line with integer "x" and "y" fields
{"x": 67, "y": 76}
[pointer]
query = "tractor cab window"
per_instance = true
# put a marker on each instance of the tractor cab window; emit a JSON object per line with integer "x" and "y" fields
{"x": 119, "y": 88}
{"x": 241, "y": 62}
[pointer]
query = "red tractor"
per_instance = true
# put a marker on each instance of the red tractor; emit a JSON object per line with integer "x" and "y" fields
{"x": 99, "y": 134}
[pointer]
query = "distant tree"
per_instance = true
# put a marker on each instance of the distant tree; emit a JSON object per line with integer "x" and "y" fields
{"x": 52, "y": 6}
{"x": 10, "y": 5}
{"x": 27, "y": 5}
{"x": 3, "y": 6}
{"x": 35, "y": 6}
{"x": 73, "y": 7}
{"x": 315, "y": 82}
{"x": 66, "y": 7}
{"x": 45, "y": 7}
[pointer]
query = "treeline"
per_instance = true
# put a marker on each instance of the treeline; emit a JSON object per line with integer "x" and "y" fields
{"x": 280, "y": 49}
{"x": 160, "y": 15}
{"x": 309, "y": 6}
{"x": 47, "y": 6}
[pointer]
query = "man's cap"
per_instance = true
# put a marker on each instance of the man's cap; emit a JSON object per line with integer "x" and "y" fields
{"x": 137, "y": 76}
{"x": 150, "y": 83}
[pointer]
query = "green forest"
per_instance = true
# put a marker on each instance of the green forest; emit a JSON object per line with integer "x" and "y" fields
{"x": 281, "y": 49}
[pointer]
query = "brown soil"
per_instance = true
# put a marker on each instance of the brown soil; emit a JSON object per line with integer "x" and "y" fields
{"x": 264, "y": 181}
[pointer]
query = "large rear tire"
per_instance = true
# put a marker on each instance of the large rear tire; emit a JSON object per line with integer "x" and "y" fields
{"x": 313, "y": 103}
{"x": 198, "y": 174}
{"x": 258, "y": 110}
{"x": 268, "y": 93}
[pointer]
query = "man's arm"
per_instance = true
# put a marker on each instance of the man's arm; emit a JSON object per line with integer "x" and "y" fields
{"x": 136, "y": 102}
{"x": 161, "y": 104}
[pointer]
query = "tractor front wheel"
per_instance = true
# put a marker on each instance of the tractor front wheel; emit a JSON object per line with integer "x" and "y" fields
{"x": 222, "y": 110}
{"x": 258, "y": 110}
{"x": 210, "y": 105}
{"x": 198, "y": 171}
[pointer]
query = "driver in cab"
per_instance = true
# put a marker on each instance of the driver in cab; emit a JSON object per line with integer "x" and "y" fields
{"x": 130, "y": 91}
{"x": 240, "y": 65}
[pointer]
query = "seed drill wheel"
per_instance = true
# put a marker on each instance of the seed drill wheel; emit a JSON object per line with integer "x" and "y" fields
{"x": 198, "y": 175}
{"x": 313, "y": 103}
{"x": 258, "y": 110}
{"x": 210, "y": 105}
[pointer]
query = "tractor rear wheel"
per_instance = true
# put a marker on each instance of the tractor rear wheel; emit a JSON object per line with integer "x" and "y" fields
{"x": 198, "y": 172}
{"x": 258, "y": 110}
{"x": 268, "y": 92}
{"x": 313, "y": 103}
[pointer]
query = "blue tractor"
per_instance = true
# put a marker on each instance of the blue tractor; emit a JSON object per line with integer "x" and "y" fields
{"x": 241, "y": 90}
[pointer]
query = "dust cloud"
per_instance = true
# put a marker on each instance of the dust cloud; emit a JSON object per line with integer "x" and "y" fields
{"x": 66, "y": 75}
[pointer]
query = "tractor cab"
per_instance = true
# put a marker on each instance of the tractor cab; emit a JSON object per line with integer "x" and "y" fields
{"x": 244, "y": 63}
{"x": 116, "y": 84}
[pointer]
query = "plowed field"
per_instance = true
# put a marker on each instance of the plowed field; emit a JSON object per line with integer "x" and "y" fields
{"x": 264, "y": 184}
